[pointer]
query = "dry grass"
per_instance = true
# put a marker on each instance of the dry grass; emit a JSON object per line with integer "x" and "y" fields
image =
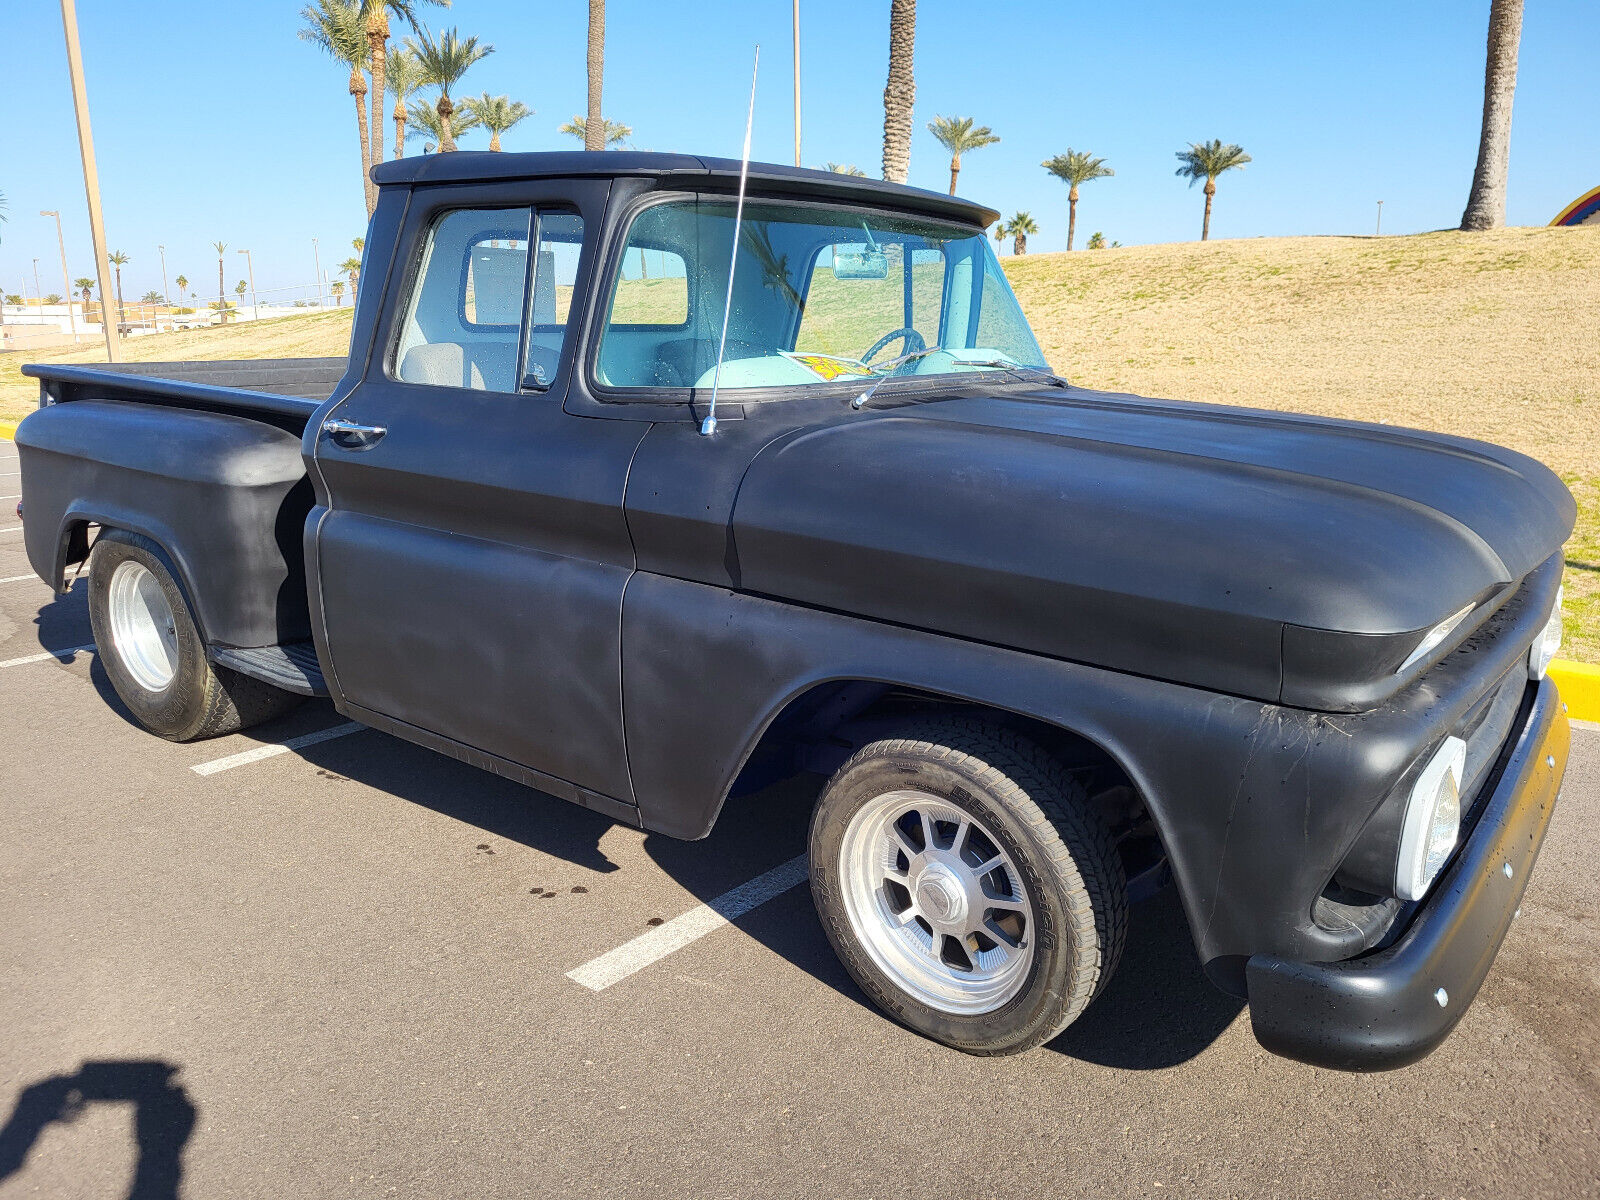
{"x": 317, "y": 335}
{"x": 1495, "y": 336}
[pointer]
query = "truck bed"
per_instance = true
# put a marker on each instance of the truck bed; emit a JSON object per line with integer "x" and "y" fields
{"x": 285, "y": 390}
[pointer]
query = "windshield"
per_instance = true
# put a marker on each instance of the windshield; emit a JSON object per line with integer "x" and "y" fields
{"x": 821, "y": 293}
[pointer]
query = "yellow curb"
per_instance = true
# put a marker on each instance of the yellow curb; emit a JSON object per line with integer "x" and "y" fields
{"x": 1579, "y": 684}
{"x": 8, "y": 431}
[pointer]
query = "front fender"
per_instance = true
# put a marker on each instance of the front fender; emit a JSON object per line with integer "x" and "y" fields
{"x": 1256, "y": 803}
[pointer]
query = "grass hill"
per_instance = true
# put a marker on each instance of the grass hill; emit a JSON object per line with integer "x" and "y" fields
{"x": 1495, "y": 336}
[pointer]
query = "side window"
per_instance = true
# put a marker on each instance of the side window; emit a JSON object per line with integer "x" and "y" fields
{"x": 555, "y": 272}
{"x": 463, "y": 318}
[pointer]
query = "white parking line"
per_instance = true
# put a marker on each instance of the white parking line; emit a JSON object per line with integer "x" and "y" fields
{"x": 12, "y": 529}
{"x": 19, "y": 578}
{"x": 261, "y": 752}
{"x": 631, "y": 957}
{"x": 46, "y": 656}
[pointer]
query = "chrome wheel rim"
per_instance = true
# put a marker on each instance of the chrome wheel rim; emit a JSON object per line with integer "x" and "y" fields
{"x": 936, "y": 902}
{"x": 142, "y": 626}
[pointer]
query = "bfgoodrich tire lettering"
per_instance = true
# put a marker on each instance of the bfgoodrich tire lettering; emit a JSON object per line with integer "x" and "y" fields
{"x": 199, "y": 700}
{"x": 1039, "y": 817}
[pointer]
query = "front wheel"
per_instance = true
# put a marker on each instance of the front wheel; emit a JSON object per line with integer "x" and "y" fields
{"x": 153, "y": 653}
{"x": 967, "y": 885}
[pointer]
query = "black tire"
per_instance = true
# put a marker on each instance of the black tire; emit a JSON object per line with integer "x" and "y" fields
{"x": 202, "y": 700}
{"x": 1040, "y": 816}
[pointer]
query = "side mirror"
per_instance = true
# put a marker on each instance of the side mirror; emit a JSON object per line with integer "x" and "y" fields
{"x": 860, "y": 261}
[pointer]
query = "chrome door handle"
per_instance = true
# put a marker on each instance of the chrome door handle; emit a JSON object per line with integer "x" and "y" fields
{"x": 352, "y": 436}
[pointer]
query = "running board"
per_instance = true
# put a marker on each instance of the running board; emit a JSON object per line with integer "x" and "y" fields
{"x": 292, "y": 666}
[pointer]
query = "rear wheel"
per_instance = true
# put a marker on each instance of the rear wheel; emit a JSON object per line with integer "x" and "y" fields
{"x": 152, "y": 651}
{"x": 967, "y": 885}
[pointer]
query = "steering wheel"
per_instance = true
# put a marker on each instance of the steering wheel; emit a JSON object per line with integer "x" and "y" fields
{"x": 913, "y": 343}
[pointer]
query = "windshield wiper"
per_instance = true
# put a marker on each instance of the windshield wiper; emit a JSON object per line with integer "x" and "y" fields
{"x": 1015, "y": 368}
{"x": 886, "y": 370}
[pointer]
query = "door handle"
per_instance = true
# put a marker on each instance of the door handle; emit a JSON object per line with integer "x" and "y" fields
{"x": 352, "y": 436}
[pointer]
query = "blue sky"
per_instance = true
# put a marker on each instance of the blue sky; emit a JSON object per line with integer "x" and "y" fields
{"x": 212, "y": 121}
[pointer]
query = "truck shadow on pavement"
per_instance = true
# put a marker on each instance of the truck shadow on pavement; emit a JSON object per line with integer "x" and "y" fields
{"x": 164, "y": 1116}
{"x": 1158, "y": 1010}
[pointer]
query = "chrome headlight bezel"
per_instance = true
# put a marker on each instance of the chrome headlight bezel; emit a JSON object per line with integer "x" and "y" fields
{"x": 1546, "y": 646}
{"x": 1431, "y": 827}
{"x": 1434, "y": 638}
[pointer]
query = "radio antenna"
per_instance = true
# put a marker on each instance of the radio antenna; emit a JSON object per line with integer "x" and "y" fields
{"x": 709, "y": 425}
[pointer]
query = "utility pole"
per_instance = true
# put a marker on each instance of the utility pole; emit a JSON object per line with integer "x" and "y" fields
{"x": 66, "y": 276}
{"x": 255, "y": 306}
{"x": 797, "y": 82}
{"x": 37, "y": 290}
{"x": 165, "y": 293}
{"x": 1379, "y": 228}
{"x": 317, "y": 260}
{"x": 91, "y": 176}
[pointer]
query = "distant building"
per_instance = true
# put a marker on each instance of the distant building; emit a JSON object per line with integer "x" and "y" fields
{"x": 1585, "y": 210}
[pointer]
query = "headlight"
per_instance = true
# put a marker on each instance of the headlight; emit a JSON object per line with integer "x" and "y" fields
{"x": 1547, "y": 643}
{"x": 1432, "y": 821}
{"x": 1435, "y": 635}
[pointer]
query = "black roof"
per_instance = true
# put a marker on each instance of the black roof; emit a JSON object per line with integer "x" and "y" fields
{"x": 477, "y": 165}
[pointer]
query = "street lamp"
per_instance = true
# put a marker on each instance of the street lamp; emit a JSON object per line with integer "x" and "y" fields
{"x": 255, "y": 307}
{"x": 1379, "y": 229}
{"x": 317, "y": 260}
{"x": 37, "y": 290}
{"x": 165, "y": 293}
{"x": 91, "y": 176}
{"x": 66, "y": 276}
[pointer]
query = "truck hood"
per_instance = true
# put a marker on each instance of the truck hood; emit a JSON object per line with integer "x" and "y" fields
{"x": 1184, "y": 541}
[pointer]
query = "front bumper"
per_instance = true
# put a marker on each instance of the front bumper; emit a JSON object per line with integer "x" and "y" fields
{"x": 1391, "y": 1007}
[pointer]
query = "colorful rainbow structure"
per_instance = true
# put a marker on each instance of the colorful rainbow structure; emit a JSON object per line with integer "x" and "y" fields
{"x": 1584, "y": 209}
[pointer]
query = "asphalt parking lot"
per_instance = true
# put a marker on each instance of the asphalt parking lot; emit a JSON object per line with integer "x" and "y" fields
{"x": 355, "y": 968}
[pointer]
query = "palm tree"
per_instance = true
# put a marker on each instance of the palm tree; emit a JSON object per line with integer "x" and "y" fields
{"x": 1207, "y": 160}
{"x": 85, "y": 285}
{"x": 352, "y": 268}
{"x": 338, "y": 291}
{"x": 497, "y": 114}
{"x": 1019, "y": 227}
{"x": 339, "y": 28}
{"x": 611, "y": 134}
{"x": 182, "y": 284}
{"x": 426, "y": 123}
{"x": 1072, "y": 168}
{"x": 222, "y": 300}
{"x": 375, "y": 16}
{"x": 443, "y": 61}
{"x": 1486, "y": 203}
{"x": 900, "y": 92}
{"x": 405, "y": 77}
{"x": 1001, "y": 232}
{"x": 844, "y": 169}
{"x": 239, "y": 290}
{"x": 118, "y": 260}
{"x": 597, "y": 77}
{"x": 958, "y": 135}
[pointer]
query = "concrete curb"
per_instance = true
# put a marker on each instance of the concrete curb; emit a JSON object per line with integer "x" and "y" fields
{"x": 1579, "y": 684}
{"x": 8, "y": 431}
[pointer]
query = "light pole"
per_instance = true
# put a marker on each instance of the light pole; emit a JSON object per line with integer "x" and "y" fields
{"x": 317, "y": 260}
{"x": 37, "y": 290}
{"x": 165, "y": 293}
{"x": 66, "y": 276}
{"x": 1379, "y": 229}
{"x": 250, "y": 270}
{"x": 91, "y": 176}
{"x": 797, "y": 82}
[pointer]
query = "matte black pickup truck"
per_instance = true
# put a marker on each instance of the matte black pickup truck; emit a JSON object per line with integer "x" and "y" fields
{"x": 1054, "y": 648}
